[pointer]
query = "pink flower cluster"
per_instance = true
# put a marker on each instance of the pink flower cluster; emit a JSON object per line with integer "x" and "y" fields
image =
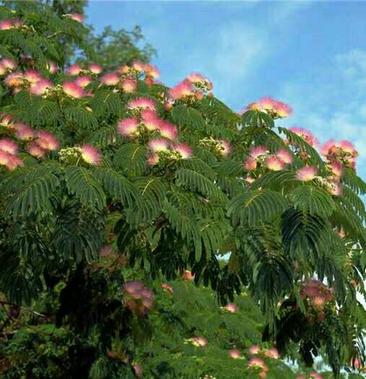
{"x": 198, "y": 341}
{"x": 90, "y": 154}
{"x": 305, "y": 134}
{"x": 75, "y": 16}
{"x": 146, "y": 120}
{"x": 275, "y": 108}
{"x": 340, "y": 153}
{"x": 31, "y": 80}
{"x": 259, "y": 156}
{"x": 317, "y": 293}
{"x": 258, "y": 363}
{"x": 7, "y": 65}
{"x": 10, "y": 24}
{"x": 194, "y": 86}
{"x": 139, "y": 299}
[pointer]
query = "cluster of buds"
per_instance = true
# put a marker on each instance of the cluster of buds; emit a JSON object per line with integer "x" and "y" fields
{"x": 194, "y": 87}
{"x": 88, "y": 153}
{"x": 275, "y": 108}
{"x": 316, "y": 293}
{"x": 36, "y": 142}
{"x": 30, "y": 80}
{"x": 10, "y": 24}
{"x": 219, "y": 147}
{"x": 260, "y": 157}
{"x": 139, "y": 299}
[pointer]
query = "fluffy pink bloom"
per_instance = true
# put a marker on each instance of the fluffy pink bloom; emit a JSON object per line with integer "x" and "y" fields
{"x": 250, "y": 164}
{"x": 336, "y": 168}
{"x": 197, "y": 78}
{"x": 110, "y": 79}
{"x": 23, "y": 131}
{"x": 129, "y": 85}
{"x": 142, "y": 103}
{"x": 168, "y": 130}
{"x": 32, "y": 76}
{"x": 73, "y": 89}
{"x": 14, "y": 162}
{"x": 83, "y": 81}
{"x": 231, "y": 307}
{"x": 6, "y": 121}
{"x": 6, "y": 24}
{"x": 256, "y": 151}
{"x": 47, "y": 140}
{"x": 159, "y": 144}
{"x": 184, "y": 150}
{"x": 153, "y": 159}
{"x": 90, "y": 154}
{"x": 40, "y": 88}
{"x": 234, "y": 353}
{"x": 181, "y": 90}
{"x": 151, "y": 71}
{"x": 3, "y": 70}
{"x": 274, "y": 164}
{"x": 254, "y": 349}
{"x": 199, "y": 341}
{"x": 272, "y": 353}
{"x": 128, "y": 127}
{"x": 75, "y": 16}
{"x": 8, "y": 145}
{"x": 282, "y": 109}
{"x": 51, "y": 67}
{"x": 95, "y": 68}
{"x": 35, "y": 150}
{"x": 8, "y": 63}
{"x": 150, "y": 119}
{"x": 258, "y": 363}
{"x": 225, "y": 148}
{"x": 4, "y": 158}
{"x": 347, "y": 147}
{"x": 271, "y": 106}
{"x": 306, "y": 173}
{"x": 284, "y": 155}
{"x": 74, "y": 69}
{"x": 15, "y": 79}
{"x": 305, "y": 134}
{"x": 138, "y": 66}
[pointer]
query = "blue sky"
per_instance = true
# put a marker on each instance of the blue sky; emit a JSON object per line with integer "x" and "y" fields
{"x": 311, "y": 55}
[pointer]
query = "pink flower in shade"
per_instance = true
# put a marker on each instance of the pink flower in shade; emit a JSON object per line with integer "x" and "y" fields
{"x": 305, "y": 134}
{"x": 128, "y": 127}
{"x": 181, "y": 90}
{"x": 14, "y": 162}
{"x": 234, "y": 353}
{"x": 76, "y": 17}
{"x": 274, "y": 164}
{"x": 51, "y": 67}
{"x": 250, "y": 164}
{"x": 129, "y": 85}
{"x": 249, "y": 179}
{"x": 258, "y": 363}
{"x": 151, "y": 71}
{"x": 83, "y": 81}
{"x": 40, "y": 88}
{"x": 231, "y": 308}
{"x": 90, "y": 154}
{"x": 6, "y": 24}
{"x": 285, "y": 156}
{"x": 153, "y": 159}
{"x": 159, "y": 144}
{"x": 3, "y": 70}
{"x": 35, "y": 150}
{"x": 168, "y": 130}
{"x": 256, "y": 151}
{"x": 199, "y": 341}
{"x": 306, "y": 173}
{"x": 23, "y": 131}
{"x": 95, "y": 68}
{"x": 184, "y": 150}
{"x": 225, "y": 148}
{"x": 74, "y": 69}
{"x": 272, "y": 353}
{"x": 8, "y": 145}
{"x": 8, "y": 64}
{"x": 138, "y": 66}
{"x": 110, "y": 79}
{"x": 47, "y": 140}
{"x": 254, "y": 349}
{"x": 15, "y": 79}
{"x": 72, "y": 89}
{"x": 6, "y": 121}
{"x": 4, "y": 158}
{"x": 142, "y": 103}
